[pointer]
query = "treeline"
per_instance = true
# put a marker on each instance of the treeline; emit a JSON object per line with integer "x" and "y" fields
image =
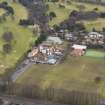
{"x": 5, "y": 6}
{"x": 102, "y": 2}
{"x": 56, "y": 95}
{"x": 73, "y": 23}
{"x": 37, "y": 12}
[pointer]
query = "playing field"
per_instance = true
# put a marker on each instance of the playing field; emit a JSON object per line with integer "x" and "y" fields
{"x": 95, "y": 53}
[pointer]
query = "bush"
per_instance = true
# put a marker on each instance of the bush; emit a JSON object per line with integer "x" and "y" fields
{"x": 5, "y": 6}
{"x": 97, "y": 79}
{"x": 54, "y": 0}
{"x": 7, "y": 36}
{"x": 102, "y": 15}
{"x": 89, "y": 15}
{"x": 52, "y": 15}
{"x": 5, "y": 3}
{"x": 95, "y": 9}
{"x": 41, "y": 38}
{"x": 26, "y": 22}
{"x": 7, "y": 48}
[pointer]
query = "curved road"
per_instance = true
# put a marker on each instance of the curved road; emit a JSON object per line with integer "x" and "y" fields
{"x": 19, "y": 71}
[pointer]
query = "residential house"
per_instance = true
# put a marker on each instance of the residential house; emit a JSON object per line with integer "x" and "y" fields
{"x": 78, "y": 50}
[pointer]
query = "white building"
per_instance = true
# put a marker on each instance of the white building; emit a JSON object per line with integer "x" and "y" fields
{"x": 54, "y": 40}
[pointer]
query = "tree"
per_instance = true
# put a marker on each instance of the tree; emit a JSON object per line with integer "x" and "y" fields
{"x": 52, "y": 14}
{"x": 26, "y": 22}
{"x": 56, "y": 27}
{"x": 94, "y": 30}
{"x": 103, "y": 29}
{"x": 95, "y": 9}
{"x": 54, "y": 1}
{"x": 5, "y": 3}
{"x": 7, "y": 36}
{"x": 41, "y": 38}
{"x": 7, "y": 48}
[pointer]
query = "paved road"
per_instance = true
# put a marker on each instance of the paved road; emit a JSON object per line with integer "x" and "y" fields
{"x": 27, "y": 101}
{"x": 19, "y": 71}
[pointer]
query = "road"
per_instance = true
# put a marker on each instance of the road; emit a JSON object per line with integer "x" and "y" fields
{"x": 27, "y": 101}
{"x": 19, "y": 71}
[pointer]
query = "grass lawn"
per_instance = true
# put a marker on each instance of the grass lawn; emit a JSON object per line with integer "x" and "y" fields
{"x": 63, "y": 13}
{"x": 22, "y": 37}
{"x": 95, "y": 53}
{"x": 73, "y": 74}
{"x": 2, "y": 11}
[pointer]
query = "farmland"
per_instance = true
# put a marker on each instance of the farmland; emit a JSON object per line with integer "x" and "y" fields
{"x": 22, "y": 37}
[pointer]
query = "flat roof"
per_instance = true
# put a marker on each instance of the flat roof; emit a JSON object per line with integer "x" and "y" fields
{"x": 76, "y": 46}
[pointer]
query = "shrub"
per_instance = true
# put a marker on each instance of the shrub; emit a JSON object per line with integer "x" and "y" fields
{"x": 97, "y": 79}
{"x": 7, "y": 48}
{"x": 52, "y": 14}
{"x": 7, "y": 36}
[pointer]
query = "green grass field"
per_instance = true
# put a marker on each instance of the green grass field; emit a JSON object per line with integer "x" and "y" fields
{"x": 22, "y": 37}
{"x": 95, "y": 53}
{"x": 74, "y": 74}
{"x": 63, "y": 13}
{"x": 2, "y": 11}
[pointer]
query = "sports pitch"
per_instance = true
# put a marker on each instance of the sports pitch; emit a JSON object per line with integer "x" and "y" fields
{"x": 95, "y": 53}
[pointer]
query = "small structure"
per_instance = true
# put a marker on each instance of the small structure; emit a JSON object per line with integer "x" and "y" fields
{"x": 52, "y": 61}
{"x": 54, "y": 40}
{"x": 78, "y": 50}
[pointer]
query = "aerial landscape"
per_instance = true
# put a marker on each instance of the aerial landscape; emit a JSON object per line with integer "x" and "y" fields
{"x": 52, "y": 52}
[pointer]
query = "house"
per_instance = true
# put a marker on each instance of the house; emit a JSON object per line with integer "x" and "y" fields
{"x": 54, "y": 40}
{"x": 33, "y": 52}
{"x": 68, "y": 36}
{"x": 95, "y": 35}
{"x": 78, "y": 50}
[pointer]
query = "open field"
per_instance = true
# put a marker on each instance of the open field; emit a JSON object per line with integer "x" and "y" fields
{"x": 63, "y": 13}
{"x": 95, "y": 53}
{"x": 22, "y": 37}
{"x": 74, "y": 74}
